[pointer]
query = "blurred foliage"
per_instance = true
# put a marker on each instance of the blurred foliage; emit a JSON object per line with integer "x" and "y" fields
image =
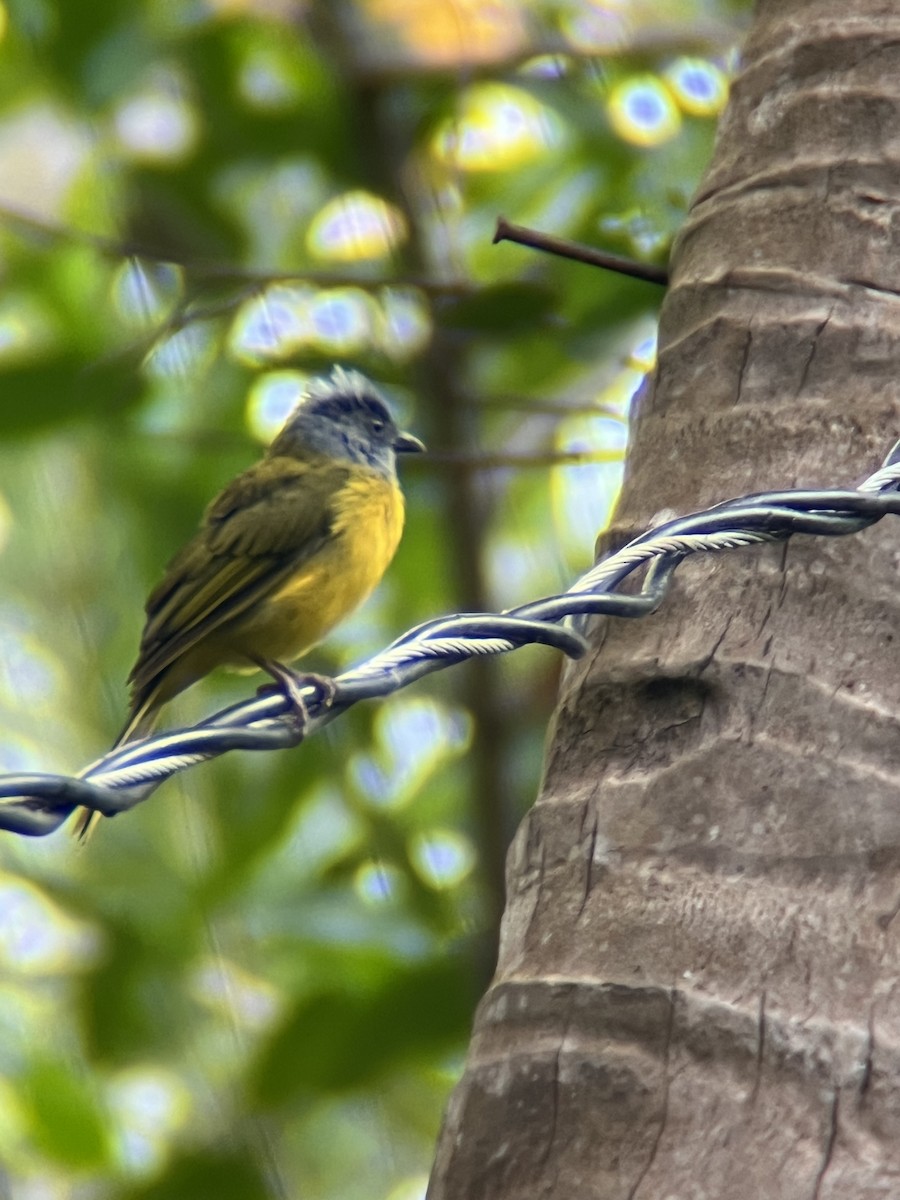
{"x": 260, "y": 983}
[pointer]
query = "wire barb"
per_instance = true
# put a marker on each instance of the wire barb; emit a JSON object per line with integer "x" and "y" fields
{"x": 36, "y": 804}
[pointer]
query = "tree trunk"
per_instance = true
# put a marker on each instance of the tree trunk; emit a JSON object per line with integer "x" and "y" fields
{"x": 697, "y": 993}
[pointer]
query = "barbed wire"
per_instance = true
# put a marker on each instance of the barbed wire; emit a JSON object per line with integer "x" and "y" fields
{"x": 37, "y": 804}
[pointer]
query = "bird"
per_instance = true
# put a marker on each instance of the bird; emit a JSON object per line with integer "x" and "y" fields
{"x": 286, "y": 551}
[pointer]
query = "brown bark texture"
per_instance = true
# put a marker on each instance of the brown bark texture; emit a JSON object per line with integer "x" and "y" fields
{"x": 697, "y": 994}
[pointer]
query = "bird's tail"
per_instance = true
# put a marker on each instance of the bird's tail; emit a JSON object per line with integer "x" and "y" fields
{"x": 141, "y": 720}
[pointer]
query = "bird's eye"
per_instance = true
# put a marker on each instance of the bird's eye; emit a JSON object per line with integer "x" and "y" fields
{"x": 378, "y": 425}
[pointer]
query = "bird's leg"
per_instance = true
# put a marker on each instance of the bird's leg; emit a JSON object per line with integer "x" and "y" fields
{"x": 292, "y": 683}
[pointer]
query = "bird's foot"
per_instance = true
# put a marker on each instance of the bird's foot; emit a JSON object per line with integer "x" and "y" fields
{"x": 292, "y": 685}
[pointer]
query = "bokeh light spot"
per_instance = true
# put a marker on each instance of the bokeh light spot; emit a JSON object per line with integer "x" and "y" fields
{"x": 355, "y": 226}
{"x": 642, "y": 112}
{"x": 454, "y": 32}
{"x": 267, "y": 80}
{"x": 36, "y": 937}
{"x": 583, "y": 494}
{"x": 145, "y": 293}
{"x": 516, "y": 564}
{"x": 377, "y": 883}
{"x": 645, "y": 235}
{"x": 343, "y": 320}
{"x": 21, "y": 753}
{"x": 421, "y": 726}
{"x": 414, "y": 738}
{"x": 699, "y": 87}
{"x": 149, "y": 1104}
{"x": 6, "y": 522}
{"x": 26, "y": 328}
{"x": 497, "y": 127}
{"x": 442, "y": 857}
{"x": 596, "y": 28}
{"x": 373, "y": 782}
{"x": 412, "y": 1188}
{"x": 182, "y": 354}
{"x": 272, "y": 398}
{"x": 322, "y": 831}
{"x": 643, "y": 354}
{"x": 14, "y": 334}
{"x": 546, "y": 66}
{"x": 43, "y": 151}
{"x": 405, "y": 325}
{"x": 286, "y": 319}
{"x": 157, "y": 124}
{"x": 249, "y": 1001}
{"x": 29, "y": 674}
{"x": 273, "y": 325}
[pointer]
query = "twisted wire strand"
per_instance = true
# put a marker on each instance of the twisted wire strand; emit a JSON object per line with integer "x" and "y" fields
{"x": 37, "y": 804}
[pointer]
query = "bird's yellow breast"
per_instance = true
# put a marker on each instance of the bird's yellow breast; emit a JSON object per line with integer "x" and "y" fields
{"x": 368, "y": 522}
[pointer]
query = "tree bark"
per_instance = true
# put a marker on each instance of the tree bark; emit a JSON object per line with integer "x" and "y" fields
{"x": 697, "y": 993}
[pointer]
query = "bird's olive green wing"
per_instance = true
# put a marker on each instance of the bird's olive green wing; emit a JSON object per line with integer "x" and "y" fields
{"x": 261, "y": 528}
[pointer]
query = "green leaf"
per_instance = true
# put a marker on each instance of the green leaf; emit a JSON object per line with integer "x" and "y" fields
{"x": 67, "y": 1122}
{"x": 223, "y": 1176}
{"x": 505, "y": 307}
{"x": 62, "y": 389}
{"x": 335, "y": 1040}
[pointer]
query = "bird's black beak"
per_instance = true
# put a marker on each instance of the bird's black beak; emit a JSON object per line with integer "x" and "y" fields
{"x": 408, "y": 443}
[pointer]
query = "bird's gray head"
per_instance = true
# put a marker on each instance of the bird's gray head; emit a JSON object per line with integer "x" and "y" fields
{"x": 344, "y": 416}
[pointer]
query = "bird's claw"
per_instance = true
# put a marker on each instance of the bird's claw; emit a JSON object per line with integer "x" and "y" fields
{"x": 292, "y": 684}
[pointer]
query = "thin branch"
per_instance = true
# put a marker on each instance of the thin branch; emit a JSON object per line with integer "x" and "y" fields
{"x": 523, "y": 236}
{"x": 464, "y": 461}
{"x": 207, "y": 272}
